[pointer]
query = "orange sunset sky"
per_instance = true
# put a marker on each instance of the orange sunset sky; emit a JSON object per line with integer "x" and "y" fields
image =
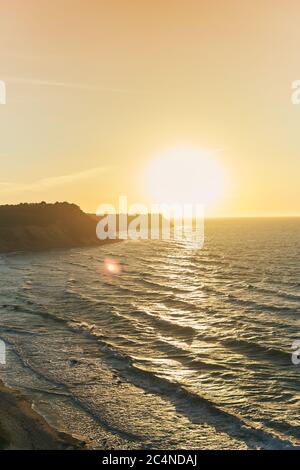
{"x": 97, "y": 90}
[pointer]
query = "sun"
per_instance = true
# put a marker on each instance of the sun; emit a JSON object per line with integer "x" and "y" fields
{"x": 185, "y": 176}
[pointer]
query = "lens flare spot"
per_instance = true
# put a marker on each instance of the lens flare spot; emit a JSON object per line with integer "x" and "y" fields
{"x": 112, "y": 266}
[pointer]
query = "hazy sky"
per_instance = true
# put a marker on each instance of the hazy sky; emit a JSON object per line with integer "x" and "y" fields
{"x": 96, "y": 89}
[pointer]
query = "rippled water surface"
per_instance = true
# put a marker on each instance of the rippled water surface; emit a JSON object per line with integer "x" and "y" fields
{"x": 182, "y": 348}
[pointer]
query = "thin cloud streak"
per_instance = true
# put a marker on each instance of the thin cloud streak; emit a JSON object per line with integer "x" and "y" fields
{"x": 68, "y": 85}
{"x": 47, "y": 183}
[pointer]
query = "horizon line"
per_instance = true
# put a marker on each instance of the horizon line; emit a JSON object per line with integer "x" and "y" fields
{"x": 210, "y": 217}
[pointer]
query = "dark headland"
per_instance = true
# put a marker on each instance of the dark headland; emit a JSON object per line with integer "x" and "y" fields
{"x": 42, "y": 226}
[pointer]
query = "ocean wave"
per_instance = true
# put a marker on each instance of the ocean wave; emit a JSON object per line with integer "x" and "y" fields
{"x": 273, "y": 292}
{"x": 199, "y": 409}
{"x": 185, "y": 400}
{"x": 255, "y": 349}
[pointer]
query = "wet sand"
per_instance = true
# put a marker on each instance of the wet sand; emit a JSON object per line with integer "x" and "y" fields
{"x": 23, "y": 429}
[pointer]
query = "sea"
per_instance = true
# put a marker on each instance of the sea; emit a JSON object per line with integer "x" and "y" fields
{"x": 173, "y": 348}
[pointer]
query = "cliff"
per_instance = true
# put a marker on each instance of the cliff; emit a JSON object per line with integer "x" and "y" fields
{"x": 30, "y": 227}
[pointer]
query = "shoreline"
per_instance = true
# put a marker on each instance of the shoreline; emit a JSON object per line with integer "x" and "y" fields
{"x": 22, "y": 428}
{"x": 45, "y": 249}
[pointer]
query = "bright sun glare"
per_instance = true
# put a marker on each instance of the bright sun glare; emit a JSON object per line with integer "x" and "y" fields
{"x": 185, "y": 176}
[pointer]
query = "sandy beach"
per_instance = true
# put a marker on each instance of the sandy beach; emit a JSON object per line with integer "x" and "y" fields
{"x": 23, "y": 429}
